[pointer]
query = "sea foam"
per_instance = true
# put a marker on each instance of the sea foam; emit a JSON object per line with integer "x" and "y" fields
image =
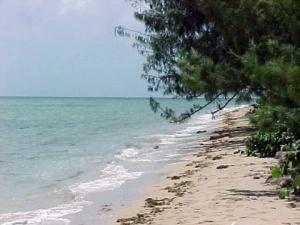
{"x": 113, "y": 176}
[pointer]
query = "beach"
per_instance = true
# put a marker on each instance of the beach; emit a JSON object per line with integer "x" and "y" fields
{"x": 215, "y": 185}
{"x": 129, "y": 169}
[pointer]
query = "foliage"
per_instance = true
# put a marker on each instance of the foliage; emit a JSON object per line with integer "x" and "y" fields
{"x": 276, "y": 172}
{"x": 234, "y": 50}
{"x": 296, "y": 182}
{"x": 267, "y": 144}
{"x": 285, "y": 192}
{"x": 268, "y": 118}
{"x": 290, "y": 167}
{"x": 291, "y": 164}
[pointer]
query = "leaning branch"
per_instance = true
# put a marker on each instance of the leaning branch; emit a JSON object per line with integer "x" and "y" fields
{"x": 223, "y": 106}
{"x": 199, "y": 109}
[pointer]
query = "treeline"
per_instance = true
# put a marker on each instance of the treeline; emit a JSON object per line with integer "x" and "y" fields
{"x": 235, "y": 50}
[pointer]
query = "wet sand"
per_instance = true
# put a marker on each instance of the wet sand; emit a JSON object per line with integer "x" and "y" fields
{"x": 216, "y": 185}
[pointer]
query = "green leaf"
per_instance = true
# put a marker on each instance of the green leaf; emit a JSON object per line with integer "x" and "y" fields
{"x": 284, "y": 192}
{"x": 276, "y": 172}
{"x": 296, "y": 182}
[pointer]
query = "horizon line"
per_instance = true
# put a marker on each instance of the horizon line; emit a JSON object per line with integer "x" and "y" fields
{"x": 120, "y": 97}
{"x": 28, "y": 96}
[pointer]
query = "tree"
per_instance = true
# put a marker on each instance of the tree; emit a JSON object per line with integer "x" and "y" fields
{"x": 235, "y": 49}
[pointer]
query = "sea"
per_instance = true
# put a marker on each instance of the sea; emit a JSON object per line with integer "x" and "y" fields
{"x": 60, "y": 156}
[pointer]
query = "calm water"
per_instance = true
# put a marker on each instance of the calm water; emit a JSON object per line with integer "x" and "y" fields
{"x": 55, "y": 151}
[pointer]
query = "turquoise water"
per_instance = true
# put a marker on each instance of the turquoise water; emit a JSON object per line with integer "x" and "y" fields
{"x": 55, "y": 151}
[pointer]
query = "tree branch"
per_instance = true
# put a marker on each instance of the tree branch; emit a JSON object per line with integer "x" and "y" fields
{"x": 223, "y": 106}
{"x": 199, "y": 108}
{"x": 121, "y": 28}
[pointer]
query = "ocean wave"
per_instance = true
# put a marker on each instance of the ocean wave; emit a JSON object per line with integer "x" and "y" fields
{"x": 127, "y": 153}
{"x": 113, "y": 176}
{"x": 43, "y": 216}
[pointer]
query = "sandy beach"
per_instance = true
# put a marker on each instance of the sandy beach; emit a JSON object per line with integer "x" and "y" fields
{"x": 216, "y": 185}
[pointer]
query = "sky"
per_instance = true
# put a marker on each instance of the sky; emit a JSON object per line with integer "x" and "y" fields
{"x": 68, "y": 48}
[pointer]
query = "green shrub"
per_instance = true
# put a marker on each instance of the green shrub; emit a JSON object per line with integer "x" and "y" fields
{"x": 285, "y": 192}
{"x": 266, "y": 144}
{"x": 296, "y": 182}
{"x": 276, "y": 172}
{"x": 270, "y": 118}
{"x": 291, "y": 164}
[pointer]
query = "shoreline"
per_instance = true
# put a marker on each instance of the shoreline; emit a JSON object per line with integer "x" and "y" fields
{"x": 107, "y": 204}
{"x": 214, "y": 185}
{"x": 96, "y": 194}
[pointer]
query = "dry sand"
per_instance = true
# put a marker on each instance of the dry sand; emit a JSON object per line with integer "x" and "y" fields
{"x": 216, "y": 186}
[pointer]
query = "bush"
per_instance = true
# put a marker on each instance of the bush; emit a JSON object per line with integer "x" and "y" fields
{"x": 285, "y": 192}
{"x": 291, "y": 164}
{"x": 269, "y": 118}
{"x": 267, "y": 144}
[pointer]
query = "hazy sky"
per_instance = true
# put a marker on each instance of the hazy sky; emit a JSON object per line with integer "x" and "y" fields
{"x": 68, "y": 48}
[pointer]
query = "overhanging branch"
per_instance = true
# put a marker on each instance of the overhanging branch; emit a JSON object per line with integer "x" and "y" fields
{"x": 223, "y": 106}
{"x": 199, "y": 108}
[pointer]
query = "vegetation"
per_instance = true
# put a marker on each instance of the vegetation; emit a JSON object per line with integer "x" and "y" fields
{"x": 267, "y": 144}
{"x": 234, "y": 50}
{"x": 286, "y": 148}
{"x": 290, "y": 170}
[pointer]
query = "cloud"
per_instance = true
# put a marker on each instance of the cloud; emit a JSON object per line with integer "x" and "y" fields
{"x": 80, "y": 6}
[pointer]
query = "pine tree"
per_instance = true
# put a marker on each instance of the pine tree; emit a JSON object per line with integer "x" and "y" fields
{"x": 237, "y": 50}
